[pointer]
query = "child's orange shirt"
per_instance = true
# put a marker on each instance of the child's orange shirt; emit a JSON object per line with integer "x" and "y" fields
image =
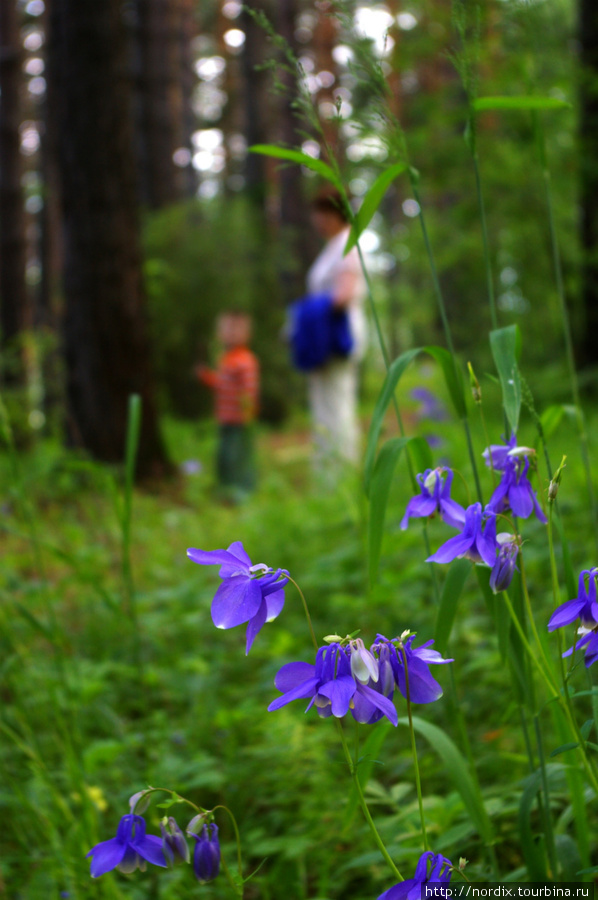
{"x": 236, "y": 386}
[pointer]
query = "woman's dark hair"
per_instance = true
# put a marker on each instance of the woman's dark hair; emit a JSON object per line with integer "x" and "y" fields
{"x": 329, "y": 200}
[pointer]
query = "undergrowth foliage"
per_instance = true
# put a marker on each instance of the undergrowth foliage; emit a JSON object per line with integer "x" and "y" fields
{"x": 508, "y": 537}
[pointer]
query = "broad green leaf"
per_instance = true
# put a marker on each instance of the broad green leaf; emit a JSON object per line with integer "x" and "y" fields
{"x": 456, "y": 766}
{"x": 551, "y": 419}
{"x": 393, "y": 376}
{"x": 372, "y": 201}
{"x": 379, "y": 488}
{"x": 454, "y": 382}
{"x": 504, "y": 345}
{"x": 453, "y": 587}
{"x": 591, "y": 871}
{"x": 421, "y": 454}
{"x": 573, "y": 745}
{"x": 523, "y": 102}
{"x": 369, "y": 753}
{"x": 302, "y": 159}
{"x": 452, "y": 376}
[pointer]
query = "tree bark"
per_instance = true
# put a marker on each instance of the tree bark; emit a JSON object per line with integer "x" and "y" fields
{"x": 13, "y": 288}
{"x": 159, "y": 58}
{"x": 105, "y": 331}
{"x": 587, "y": 348}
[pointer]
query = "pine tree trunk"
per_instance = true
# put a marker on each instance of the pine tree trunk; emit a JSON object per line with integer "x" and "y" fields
{"x": 105, "y": 331}
{"x": 13, "y": 289}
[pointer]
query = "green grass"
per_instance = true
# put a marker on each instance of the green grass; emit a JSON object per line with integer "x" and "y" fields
{"x": 85, "y": 725}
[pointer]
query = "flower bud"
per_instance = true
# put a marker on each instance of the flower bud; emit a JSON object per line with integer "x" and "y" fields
{"x": 140, "y": 801}
{"x": 174, "y": 844}
{"x": 476, "y": 390}
{"x": 364, "y": 665}
{"x": 553, "y": 487}
{"x": 206, "y": 856}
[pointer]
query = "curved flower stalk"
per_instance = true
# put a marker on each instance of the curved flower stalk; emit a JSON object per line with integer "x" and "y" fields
{"x": 431, "y": 869}
{"x": 477, "y": 540}
{"x": 435, "y": 497}
{"x": 252, "y": 594}
{"x": 130, "y": 849}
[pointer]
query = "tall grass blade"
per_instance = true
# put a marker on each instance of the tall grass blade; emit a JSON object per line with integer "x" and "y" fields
{"x": 451, "y": 592}
{"x": 302, "y": 159}
{"x": 504, "y": 344}
{"x": 372, "y": 201}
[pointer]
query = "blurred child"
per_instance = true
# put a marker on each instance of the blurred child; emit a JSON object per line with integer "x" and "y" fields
{"x": 236, "y": 386}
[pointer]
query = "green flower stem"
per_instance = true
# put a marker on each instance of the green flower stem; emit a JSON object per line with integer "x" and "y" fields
{"x": 549, "y": 832}
{"x": 306, "y": 610}
{"x": 486, "y": 243}
{"x": 418, "y": 786}
{"x": 558, "y": 275}
{"x": 514, "y": 618}
{"x": 362, "y": 802}
{"x": 444, "y": 318}
{"x": 237, "y": 839}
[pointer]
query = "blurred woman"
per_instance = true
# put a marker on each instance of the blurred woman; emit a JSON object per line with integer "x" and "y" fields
{"x": 332, "y": 388}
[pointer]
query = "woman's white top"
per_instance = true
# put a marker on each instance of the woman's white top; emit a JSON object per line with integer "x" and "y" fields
{"x": 322, "y": 278}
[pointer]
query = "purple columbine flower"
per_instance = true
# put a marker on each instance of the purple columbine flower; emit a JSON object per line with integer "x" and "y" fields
{"x": 504, "y": 567}
{"x": 515, "y": 491}
{"x": 477, "y": 540}
{"x": 589, "y": 641}
{"x": 330, "y": 684}
{"x": 435, "y": 497}
{"x": 206, "y": 856}
{"x": 497, "y": 455}
{"x": 248, "y": 593}
{"x": 174, "y": 844}
{"x": 582, "y": 607}
{"x": 431, "y": 869}
{"x": 130, "y": 849}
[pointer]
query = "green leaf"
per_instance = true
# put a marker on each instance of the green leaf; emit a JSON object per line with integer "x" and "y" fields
{"x": 453, "y": 587}
{"x": 302, "y": 159}
{"x": 453, "y": 377}
{"x": 393, "y": 376}
{"x": 521, "y": 103}
{"x": 456, "y": 766}
{"x": 564, "y": 747}
{"x": 372, "y": 201}
{"x": 551, "y": 419}
{"x": 33, "y": 620}
{"x": 568, "y": 856}
{"x": 504, "y": 345}
{"x": 454, "y": 382}
{"x": 379, "y": 489}
{"x": 421, "y": 454}
{"x": 590, "y": 871}
{"x": 586, "y": 729}
{"x": 369, "y": 753}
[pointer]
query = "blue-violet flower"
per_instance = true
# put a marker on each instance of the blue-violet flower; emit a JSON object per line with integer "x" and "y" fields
{"x": 515, "y": 491}
{"x": 174, "y": 844}
{"x": 330, "y": 684}
{"x": 477, "y": 541}
{"x": 431, "y": 869}
{"x": 504, "y": 567}
{"x": 248, "y": 593}
{"x": 582, "y": 607}
{"x": 435, "y": 497}
{"x": 206, "y": 856}
{"x": 129, "y": 849}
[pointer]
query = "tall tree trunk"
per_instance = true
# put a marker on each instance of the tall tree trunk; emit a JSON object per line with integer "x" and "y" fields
{"x": 587, "y": 348}
{"x": 13, "y": 289}
{"x": 294, "y": 211}
{"x": 105, "y": 332}
{"x": 255, "y": 100}
{"x": 160, "y": 99}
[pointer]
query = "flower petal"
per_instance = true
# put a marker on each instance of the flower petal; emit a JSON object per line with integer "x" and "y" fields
{"x": 339, "y": 692}
{"x": 452, "y": 549}
{"x": 150, "y": 848}
{"x": 236, "y": 601}
{"x": 255, "y": 625}
{"x": 106, "y": 856}
{"x": 378, "y": 700}
{"x": 299, "y": 692}
{"x": 212, "y": 557}
{"x": 274, "y": 604}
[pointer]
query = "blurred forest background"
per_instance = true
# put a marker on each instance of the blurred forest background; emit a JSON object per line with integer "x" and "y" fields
{"x": 131, "y": 210}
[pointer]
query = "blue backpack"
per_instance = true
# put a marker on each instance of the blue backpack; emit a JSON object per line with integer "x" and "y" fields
{"x": 318, "y": 332}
